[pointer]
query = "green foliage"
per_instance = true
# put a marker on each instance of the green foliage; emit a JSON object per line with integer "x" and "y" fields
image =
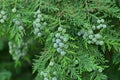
{"x": 71, "y": 39}
{"x": 5, "y": 75}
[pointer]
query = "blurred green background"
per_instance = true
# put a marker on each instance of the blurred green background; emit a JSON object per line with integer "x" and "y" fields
{"x": 8, "y": 69}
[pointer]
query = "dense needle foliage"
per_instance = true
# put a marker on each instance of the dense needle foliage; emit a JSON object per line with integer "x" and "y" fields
{"x": 60, "y": 39}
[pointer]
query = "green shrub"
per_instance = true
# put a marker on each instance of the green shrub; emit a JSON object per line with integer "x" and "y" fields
{"x": 71, "y": 39}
